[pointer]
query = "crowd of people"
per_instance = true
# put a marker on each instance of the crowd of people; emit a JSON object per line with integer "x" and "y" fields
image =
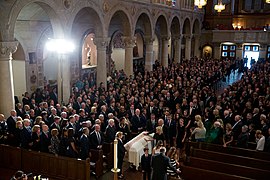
{"x": 177, "y": 104}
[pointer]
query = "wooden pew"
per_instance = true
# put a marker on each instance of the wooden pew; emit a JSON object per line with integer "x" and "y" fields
{"x": 227, "y": 168}
{"x": 96, "y": 161}
{"x": 55, "y": 167}
{"x": 108, "y": 153}
{"x": 232, "y": 150}
{"x": 10, "y": 157}
{"x": 231, "y": 159}
{"x": 191, "y": 173}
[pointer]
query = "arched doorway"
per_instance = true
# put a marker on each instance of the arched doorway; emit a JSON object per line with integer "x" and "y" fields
{"x": 122, "y": 42}
{"x": 161, "y": 30}
{"x": 139, "y": 52}
{"x": 196, "y": 31}
{"x": 86, "y": 28}
{"x": 186, "y": 42}
{"x": 176, "y": 40}
{"x": 33, "y": 40}
{"x": 207, "y": 51}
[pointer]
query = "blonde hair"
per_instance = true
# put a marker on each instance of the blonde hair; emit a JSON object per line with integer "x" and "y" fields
{"x": 198, "y": 118}
{"x": 35, "y": 128}
{"x": 159, "y": 128}
{"x": 54, "y": 132}
{"x": 200, "y": 124}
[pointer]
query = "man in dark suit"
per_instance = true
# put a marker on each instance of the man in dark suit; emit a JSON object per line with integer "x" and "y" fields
{"x": 84, "y": 144}
{"x": 171, "y": 125}
{"x": 120, "y": 153}
{"x": 160, "y": 163}
{"x": 146, "y": 164}
{"x": 26, "y": 135}
{"x": 151, "y": 124}
{"x": 237, "y": 127}
{"x": 110, "y": 131}
{"x": 136, "y": 122}
{"x": 96, "y": 138}
{"x": 56, "y": 124}
{"x": 242, "y": 140}
{"x": 45, "y": 139}
{"x": 11, "y": 122}
{"x": 152, "y": 109}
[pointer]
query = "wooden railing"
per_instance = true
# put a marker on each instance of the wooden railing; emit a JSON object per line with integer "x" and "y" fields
{"x": 48, "y": 165}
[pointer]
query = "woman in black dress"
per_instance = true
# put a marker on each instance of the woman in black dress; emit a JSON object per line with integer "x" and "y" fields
{"x": 71, "y": 149}
{"x": 181, "y": 136}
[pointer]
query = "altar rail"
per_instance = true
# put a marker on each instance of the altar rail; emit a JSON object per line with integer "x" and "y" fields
{"x": 48, "y": 165}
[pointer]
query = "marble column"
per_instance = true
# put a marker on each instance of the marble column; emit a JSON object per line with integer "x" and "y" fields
{"x": 64, "y": 88}
{"x": 177, "y": 57}
{"x": 197, "y": 52}
{"x": 188, "y": 47}
{"x": 6, "y": 78}
{"x": 101, "y": 44}
{"x": 164, "y": 55}
{"x": 149, "y": 54}
{"x": 129, "y": 45}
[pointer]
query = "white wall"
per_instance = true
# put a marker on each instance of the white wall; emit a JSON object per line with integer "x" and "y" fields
{"x": 51, "y": 67}
{"x": 118, "y": 56}
{"x": 19, "y": 77}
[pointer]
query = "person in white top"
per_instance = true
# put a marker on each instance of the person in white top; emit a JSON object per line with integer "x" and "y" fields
{"x": 260, "y": 139}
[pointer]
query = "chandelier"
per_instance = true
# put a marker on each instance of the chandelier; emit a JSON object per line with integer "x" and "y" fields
{"x": 220, "y": 7}
{"x": 267, "y": 1}
{"x": 200, "y": 3}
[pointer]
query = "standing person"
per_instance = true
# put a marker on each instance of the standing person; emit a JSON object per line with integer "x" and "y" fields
{"x": 84, "y": 144}
{"x": 55, "y": 142}
{"x": 181, "y": 136}
{"x": 120, "y": 153}
{"x": 159, "y": 164}
{"x": 146, "y": 164}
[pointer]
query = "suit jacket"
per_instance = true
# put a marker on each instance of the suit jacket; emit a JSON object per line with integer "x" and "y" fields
{"x": 237, "y": 129}
{"x": 11, "y": 125}
{"x": 45, "y": 141}
{"x": 171, "y": 129}
{"x": 110, "y": 133}
{"x": 26, "y": 137}
{"x": 159, "y": 164}
{"x": 151, "y": 128}
{"x": 146, "y": 162}
{"x": 94, "y": 140}
{"x": 54, "y": 126}
{"x": 84, "y": 147}
{"x": 120, "y": 150}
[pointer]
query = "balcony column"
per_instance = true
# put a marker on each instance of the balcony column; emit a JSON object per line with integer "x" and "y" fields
{"x": 149, "y": 53}
{"x": 101, "y": 44}
{"x": 188, "y": 47}
{"x": 6, "y": 77}
{"x": 177, "y": 57}
{"x": 164, "y": 55}
{"x": 129, "y": 45}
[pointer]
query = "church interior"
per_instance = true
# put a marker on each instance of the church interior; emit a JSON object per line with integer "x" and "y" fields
{"x": 117, "y": 89}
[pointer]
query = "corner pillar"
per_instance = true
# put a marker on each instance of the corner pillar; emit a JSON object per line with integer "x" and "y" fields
{"x": 7, "y": 102}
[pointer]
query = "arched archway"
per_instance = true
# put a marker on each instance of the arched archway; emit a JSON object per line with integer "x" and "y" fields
{"x": 87, "y": 27}
{"x": 186, "y": 41}
{"x": 122, "y": 41}
{"x": 175, "y": 40}
{"x": 196, "y": 31}
{"x": 161, "y": 30}
{"x": 144, "y": 29}
{"x": 33, "y": 20}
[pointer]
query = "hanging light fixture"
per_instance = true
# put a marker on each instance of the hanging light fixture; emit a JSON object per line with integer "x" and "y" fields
{"x": 219, "y": 7}
{"x": 267, "y": 1}
{"x": 200, "y": 3}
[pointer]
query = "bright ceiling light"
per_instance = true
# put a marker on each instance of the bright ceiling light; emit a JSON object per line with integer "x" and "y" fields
{"x": 219, "y": 7}
{"x": 200, "y": 3}
{"x": 60, "y": 46}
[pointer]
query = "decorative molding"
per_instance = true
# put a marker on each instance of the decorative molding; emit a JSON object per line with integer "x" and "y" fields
{"x": 101, "y": 43}
{"x": 106, "y": 7}
{"x": 129, "y": 41}
{"x": 8, "y": 48}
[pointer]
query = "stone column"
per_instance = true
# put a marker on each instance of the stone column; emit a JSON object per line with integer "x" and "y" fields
{"x": 164, "y": 55}
{"x": 197, "y": 46}
{"x": 66, "y": 78}
{"x": 129, "y": 45}
{"x": 6, "y": 77}
{"x": 101, "y": 44}
{"x": 177, "y": 57}
{"x": 149, "y": 54}
{"x": 188, "y": 47}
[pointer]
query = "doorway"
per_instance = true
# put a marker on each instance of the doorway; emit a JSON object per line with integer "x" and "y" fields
{"x": 251, "y": 55}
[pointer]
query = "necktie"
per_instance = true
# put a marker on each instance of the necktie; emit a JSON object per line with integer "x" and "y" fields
{"x": 98, "y": 137}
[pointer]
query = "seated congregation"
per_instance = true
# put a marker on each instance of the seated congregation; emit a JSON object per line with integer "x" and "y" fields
{"x": 177, "y": 105}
